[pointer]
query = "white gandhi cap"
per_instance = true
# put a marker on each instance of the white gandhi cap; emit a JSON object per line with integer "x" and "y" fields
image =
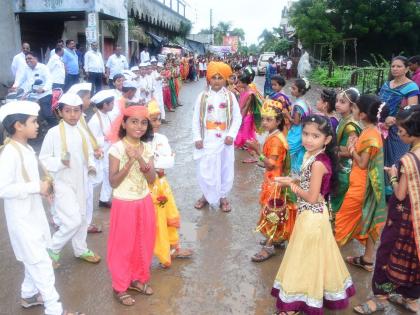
{"x": 70, "y": 99}
{"x": 19, "y": 107}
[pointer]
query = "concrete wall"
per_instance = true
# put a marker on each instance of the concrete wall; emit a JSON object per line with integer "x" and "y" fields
{"x": 11, "y": 43}
{"x": 156, "y": 13}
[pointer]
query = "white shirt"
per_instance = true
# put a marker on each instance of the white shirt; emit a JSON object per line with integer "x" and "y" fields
{"x": 57, "y": 69}
{"x": 116, "y": 64}
{"x": 143, "y": 93}
{"x": 289, "y": 65}
{"x": 25, "y": 216}
{"x": 200, "y": 66}
{"x": 164, "y": 158}
{"x": 213, "y": 138}
{"x": 144, "y": 56}
{"x": 94, "y": 62}
{"x": 157, "y": 82}
{"x": 18, "y": 63}
{"x": 100, "y": 125}
{"x": 29, "y": 76}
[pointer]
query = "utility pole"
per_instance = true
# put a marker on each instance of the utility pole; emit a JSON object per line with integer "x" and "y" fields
{"x": 211, "y": 26}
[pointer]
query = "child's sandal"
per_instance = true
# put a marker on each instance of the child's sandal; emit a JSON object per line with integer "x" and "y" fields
{"x": 124, "y": 298}
{"x": 141, "y": 288}
{"x": 359, "y": 262}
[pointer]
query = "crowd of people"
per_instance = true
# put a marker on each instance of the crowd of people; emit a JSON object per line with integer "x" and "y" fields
{"x": 331, "y": 172}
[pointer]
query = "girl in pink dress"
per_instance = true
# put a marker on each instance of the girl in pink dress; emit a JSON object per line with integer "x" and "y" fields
{"x": 247, "y": 103}
{"x": 132, "y": 228}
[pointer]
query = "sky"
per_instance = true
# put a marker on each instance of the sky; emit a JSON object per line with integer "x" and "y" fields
{"x": 253, "y": 16}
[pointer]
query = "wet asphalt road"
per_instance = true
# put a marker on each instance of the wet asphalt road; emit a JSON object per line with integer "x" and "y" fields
{"x": 220, "y": 279}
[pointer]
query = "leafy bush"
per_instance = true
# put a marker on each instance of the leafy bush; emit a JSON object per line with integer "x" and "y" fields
{"x": 339, "y": 78}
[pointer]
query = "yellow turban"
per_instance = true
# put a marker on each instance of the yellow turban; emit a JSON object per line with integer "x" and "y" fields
{"x": 218, "y": 67}
{"x": 153, "y": 107}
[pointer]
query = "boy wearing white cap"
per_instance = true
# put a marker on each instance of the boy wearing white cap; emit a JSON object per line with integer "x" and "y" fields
{"x": 143, "y": 94}
{"x": 67, "y": 155}
{"x": 21, "y": 187}
{"x": 100, "y": 125}
{"x": 83, "y": 90}
{"x": 158, "y": 87}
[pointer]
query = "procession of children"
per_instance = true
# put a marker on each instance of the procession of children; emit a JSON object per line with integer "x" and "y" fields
{"x": 324, "y": 184}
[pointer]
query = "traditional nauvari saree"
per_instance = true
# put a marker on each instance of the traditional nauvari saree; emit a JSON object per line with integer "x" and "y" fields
{"x": 362, "y": 213}
{"x": 346, "y": 127}
{"x": 270, "y": 225}
{"x": 397, "y": 265}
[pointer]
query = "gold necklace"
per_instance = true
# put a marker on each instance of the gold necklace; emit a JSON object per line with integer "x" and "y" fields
{"x": 415, "y": 147}
{"x": 136, "y": 145}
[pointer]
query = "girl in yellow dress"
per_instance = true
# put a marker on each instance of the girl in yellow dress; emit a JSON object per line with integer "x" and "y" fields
{"x": 167, "y": 215}
{"x": 313, "y": 273}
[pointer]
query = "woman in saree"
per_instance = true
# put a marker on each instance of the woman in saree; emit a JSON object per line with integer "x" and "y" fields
{"x": 397, "y": 93}
{"x": 397, "y": 268}
{"x": 347, "y": 128}
{"x": 270, "y": 71}
{"x": 362, "y": 213}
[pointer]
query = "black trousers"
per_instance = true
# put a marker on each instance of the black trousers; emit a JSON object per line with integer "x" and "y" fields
{"x": 46, "y": 112}
{"x": 96, "y": 79}
{"x": 70, "y": 80}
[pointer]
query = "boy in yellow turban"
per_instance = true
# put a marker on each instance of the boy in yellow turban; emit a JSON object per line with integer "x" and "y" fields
{"x": 216, "y": 121}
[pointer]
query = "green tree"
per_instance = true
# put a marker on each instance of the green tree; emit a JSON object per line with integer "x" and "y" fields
{"x": 383, "y": 27}
{"x": 221, "y": 30}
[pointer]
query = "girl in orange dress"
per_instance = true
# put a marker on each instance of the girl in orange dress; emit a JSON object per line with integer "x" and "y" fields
{"x": 275, "y": 226}
{"x": 362, "y": 213}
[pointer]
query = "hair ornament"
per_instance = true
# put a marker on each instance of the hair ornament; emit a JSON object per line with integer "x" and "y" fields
{"x": 381, "y": 107}
{"x": 307, "y": 84}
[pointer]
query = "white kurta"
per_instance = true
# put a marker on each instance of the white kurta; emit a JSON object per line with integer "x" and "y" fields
{"x": 158, "y": 92}
{"x": 143, "y": 93}
{"x": 102, "y": 165}
{"x": 216, "y": 160}
{"x": 27, "y": 224}
{"x": 70, "y": 185}
{"x": 164, "y": 158}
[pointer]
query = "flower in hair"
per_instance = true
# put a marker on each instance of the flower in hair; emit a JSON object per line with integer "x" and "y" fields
{"x": 307, "y": 84}
{"x": 381, "y": 107}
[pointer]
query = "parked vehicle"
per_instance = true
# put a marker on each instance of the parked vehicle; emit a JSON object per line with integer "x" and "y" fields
{"x": 263, "y": 61}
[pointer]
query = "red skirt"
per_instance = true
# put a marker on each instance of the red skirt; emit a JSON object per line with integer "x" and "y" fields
{"x": 131, "y": 241}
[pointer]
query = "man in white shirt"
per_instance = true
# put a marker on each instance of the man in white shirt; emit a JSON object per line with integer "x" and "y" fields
{"x": 60, "y": 43}
{"x": 19, "y": 62}
{"x": 289, "y": 65}
{"x": 116, "y": 64}
{"x": 57, "y": 68}
{"x": 144, "y": 56}
{"x": 36, "y": 80}
{"x": 94, "y": 67}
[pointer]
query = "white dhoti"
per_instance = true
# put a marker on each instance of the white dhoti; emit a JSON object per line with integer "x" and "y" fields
{"x": 73, "y": 222}
{"x": 39, "y": 278}
{"x": 106, "y": 189}
{"x": 159, "y": 99}
{"x": 215, "y": 173}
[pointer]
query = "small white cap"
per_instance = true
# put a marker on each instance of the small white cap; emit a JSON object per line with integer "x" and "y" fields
{"x": 70, "y": 99}
{"x": 129, "y": 84}
{"x": 143, "y": 65}
{"x": 135, "y": 68}
{"x": 160, "y": 65}
{"x": 80, "y": 87}
{"x": 153, "y": 59}
{"x": 19, "y": 107}
{"x": 102, "y": 95}
{"x": 129, "y": 75}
